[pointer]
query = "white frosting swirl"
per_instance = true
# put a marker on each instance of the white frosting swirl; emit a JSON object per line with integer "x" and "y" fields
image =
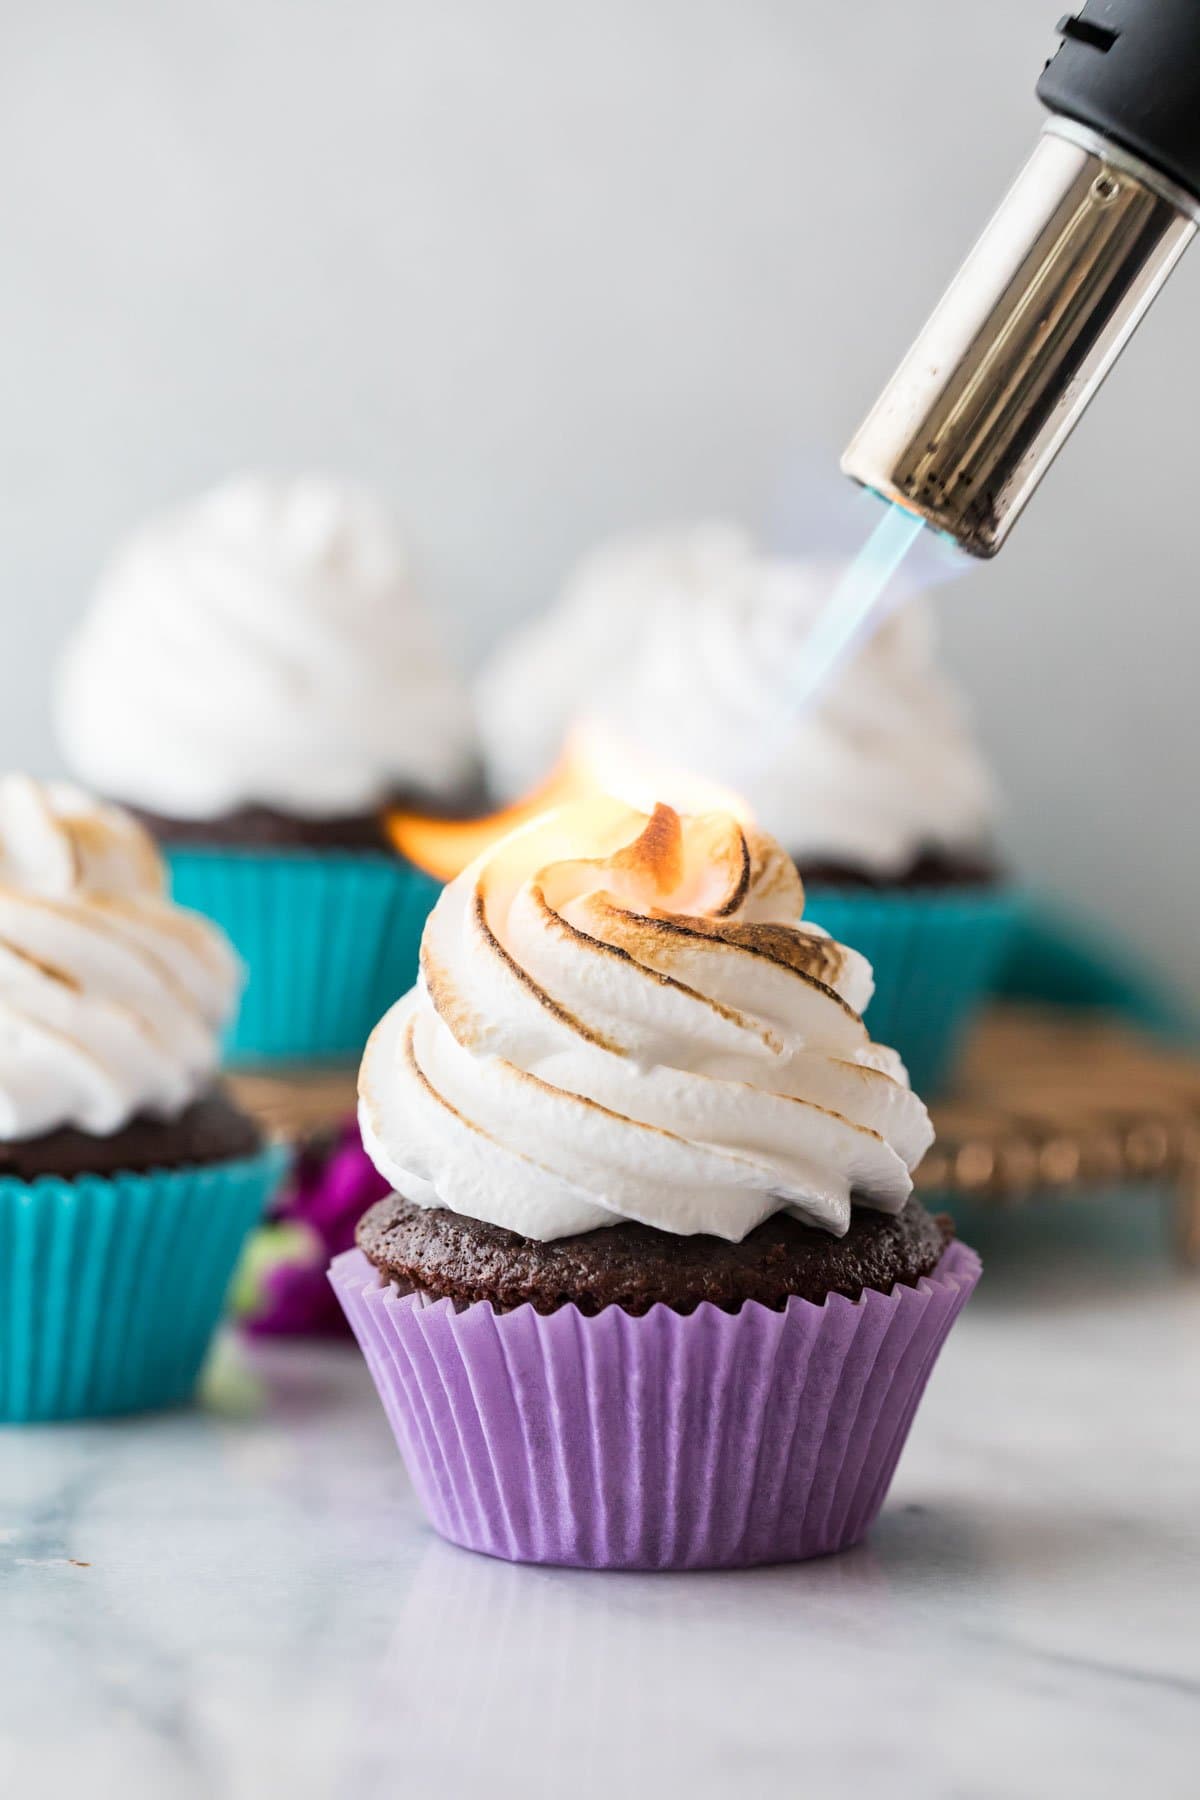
{"x": 111, "y": 998}
{"x": 680, "y": 654}
{"x": 262, "y": 646}
{"x": 621, "y": 1017}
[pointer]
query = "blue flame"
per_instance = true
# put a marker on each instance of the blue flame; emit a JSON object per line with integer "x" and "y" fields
{"x": 855, "y": 604}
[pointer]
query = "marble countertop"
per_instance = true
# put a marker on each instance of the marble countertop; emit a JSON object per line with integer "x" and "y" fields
{"x": 243, "y": 1600}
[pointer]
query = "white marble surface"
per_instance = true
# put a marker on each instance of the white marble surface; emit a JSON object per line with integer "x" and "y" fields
{"x": 243, "y": 1601}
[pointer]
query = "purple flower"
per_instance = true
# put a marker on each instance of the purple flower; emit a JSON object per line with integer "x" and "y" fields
{"x": 282, "y": 1288}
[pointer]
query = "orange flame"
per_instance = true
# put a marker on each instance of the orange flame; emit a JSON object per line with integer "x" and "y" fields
{"x": 444, "y": 847}
{"x": 592, "y": 767}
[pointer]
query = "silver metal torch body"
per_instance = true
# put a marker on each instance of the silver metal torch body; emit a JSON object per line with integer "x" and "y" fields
{"x": 1031, "y": 325}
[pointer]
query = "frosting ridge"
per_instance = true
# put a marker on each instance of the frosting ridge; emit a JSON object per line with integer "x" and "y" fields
{"x": 112, "y": 999}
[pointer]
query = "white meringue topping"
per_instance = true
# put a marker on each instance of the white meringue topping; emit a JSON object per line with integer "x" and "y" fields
{"x": 622, "y": 1017}
{"x": 262, "y": 646}
{"x": 678, "y": 654}
{"x": 111, "y": 998}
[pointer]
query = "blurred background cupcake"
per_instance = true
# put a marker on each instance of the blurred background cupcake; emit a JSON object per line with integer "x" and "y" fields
{"x": 258, "y": 677}
{"x": 679, "y": 666}
{"x": 128, "y": 1178}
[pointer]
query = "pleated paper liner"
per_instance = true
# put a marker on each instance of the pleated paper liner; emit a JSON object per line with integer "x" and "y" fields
{"x": 329, "y": 939}
{"x": 935, "y": 953}
{"x": 111, "y": 1286}
{"x": 711, "y": 1440}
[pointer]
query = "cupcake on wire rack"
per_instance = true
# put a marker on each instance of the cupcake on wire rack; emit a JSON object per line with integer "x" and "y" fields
{"x": 258, "y": 679}
{"x": 682, "y": 653}
{"x": 652, "y": 1290}
{"x": 128, "y": 1179}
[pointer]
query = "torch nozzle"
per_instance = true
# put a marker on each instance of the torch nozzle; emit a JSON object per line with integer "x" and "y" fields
{"x": 1025, "y": 335}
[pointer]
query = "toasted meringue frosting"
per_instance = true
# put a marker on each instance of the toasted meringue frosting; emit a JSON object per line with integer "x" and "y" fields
{"x": 111, "y": 998}
{"x": 674, "y": 654}
{"x": 622, "y": 1017}
{"x": 262, "y": 646}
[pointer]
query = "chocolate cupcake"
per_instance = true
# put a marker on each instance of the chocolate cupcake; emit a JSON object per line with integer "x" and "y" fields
{"x": 652, "y": 1290}
{"x": 258, "y": 679}
{"x": 128, "y": 1178}
{"x": 210, "y": 1130}
{"x": 448, "y": 1257}
{"x": 686, "y": 653}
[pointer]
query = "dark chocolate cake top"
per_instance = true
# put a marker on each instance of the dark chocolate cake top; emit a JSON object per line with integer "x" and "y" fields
{"x": 636, "y": 1267}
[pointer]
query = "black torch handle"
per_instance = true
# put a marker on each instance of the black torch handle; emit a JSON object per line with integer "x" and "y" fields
{"x": 1130, "y": 69}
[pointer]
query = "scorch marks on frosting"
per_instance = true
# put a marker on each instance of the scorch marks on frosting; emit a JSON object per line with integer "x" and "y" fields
{"x": 413, "y": 1065}
{"x": 48, "y": 970}
{"x": 648, "y": 940}
{"x": 634, "y": 954}
{"x": 493, "y": 944}
{"x": 657, "y": 853}
{"x": 455, "y": 1012}
{"x": 648, "y": 1032}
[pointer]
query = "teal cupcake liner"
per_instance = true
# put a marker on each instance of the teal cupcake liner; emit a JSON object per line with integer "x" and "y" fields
{"x": 935, "y": 952}
{"x": 111, "y": 1286}
{"x": 329, "y": 940}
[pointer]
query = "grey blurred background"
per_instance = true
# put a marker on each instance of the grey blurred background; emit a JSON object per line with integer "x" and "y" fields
{"x": 540, "y": 271}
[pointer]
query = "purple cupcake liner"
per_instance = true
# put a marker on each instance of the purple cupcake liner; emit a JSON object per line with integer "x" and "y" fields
{"x": 669, "y": 1441}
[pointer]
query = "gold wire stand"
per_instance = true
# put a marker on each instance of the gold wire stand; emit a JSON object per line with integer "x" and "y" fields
{"x": 296, "y": 1103}
{"x": 1046, "y": 1102}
